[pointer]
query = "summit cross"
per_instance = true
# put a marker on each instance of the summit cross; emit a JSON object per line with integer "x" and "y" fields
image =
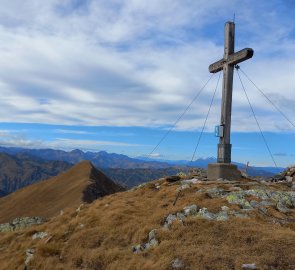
{"x": 227, "y": 63}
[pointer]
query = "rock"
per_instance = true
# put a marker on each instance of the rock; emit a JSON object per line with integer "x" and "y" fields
{"x": 238, "y": 198}
{"x": 190, "y": 210}
{"x": 177, "y": 263}
{"x": 21, "y": 223}
{"x": 137, "y": 248}
{"x": 30, "y": 254}
{"x": 172, "y": 178}
{"x": 152, "y": 239}
{"x": 169, "y": 220}
{"x": 249, "y": 266}
{"x": 183, "y": 187}
{"x": 157, "y": 186}
{"x": 191, "y": 181}
{"x": 224, "y": 208}
{"x": 39, "y": 235}
{"x": 181, "y": 217}
{"x": 80, "y": 207}
{"x": 238, "y": 214}
{"x": 222, "y": 216}
{"x": 204, "y": 213}
{"x": 152, "y": 242}
{"x": 289, "y": 179}
{"x": 282, "y": 207}
{"x": 216, "y": 192}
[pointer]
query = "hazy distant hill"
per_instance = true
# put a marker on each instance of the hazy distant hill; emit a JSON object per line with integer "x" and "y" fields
{"x": 133, "y": 177}
{"x": 100, "y": 159}
{"x": 203, "y": 163}
{"x": 81, "y": 183}
{"x": 21, "y": 170}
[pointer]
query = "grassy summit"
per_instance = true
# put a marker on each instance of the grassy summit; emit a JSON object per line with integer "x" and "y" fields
{"x": 213, "y": 225}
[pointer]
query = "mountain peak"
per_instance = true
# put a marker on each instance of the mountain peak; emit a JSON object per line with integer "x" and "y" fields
{"x": 82, "y": 183}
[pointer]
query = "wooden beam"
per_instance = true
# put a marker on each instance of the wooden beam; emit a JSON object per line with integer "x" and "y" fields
{"x": 233, "y": 59}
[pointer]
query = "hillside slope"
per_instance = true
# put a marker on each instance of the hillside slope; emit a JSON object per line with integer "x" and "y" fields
{"x": 82, "y": 183}
{"x": 212, "y": 225}
{"x": 22, "y": 170}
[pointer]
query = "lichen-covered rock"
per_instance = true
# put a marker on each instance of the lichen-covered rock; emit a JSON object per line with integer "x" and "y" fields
{"x": 204, "y": 213}
{"x": 238, "y": 198}
{"x": 39, "y": 235}
{"x": 216, "y": 192}
{"x": 190, "y": 210}
{"x": 21, "y": 223}
{"x": 222, "y": 216}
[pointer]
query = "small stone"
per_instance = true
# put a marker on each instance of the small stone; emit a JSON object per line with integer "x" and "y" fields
{"x": 238, "y": 214}
{"x": 152, "y": 234}
{"x": 80, "y": 207}
{"x": 224, "y": 208}
{"x": 181, "y": 217}
{"x": 153, "y": 243}
{"x": 249, "y": 266}
{"x": 281, "y": 207}
{"x": 183, "y": 187}
{"x": 190, "y": 210}
{"x": 177, "y": 263}
{"x": 39, "y": 235}
{"x": 191, "y": 181}
{"x": 289, "y": 179}
{"x": 138, "y": 248}
{"x": 157, "y": 186}
{"x": 216, "y": 192}
{"x": 30, "y": 254}
{"x": 222, "y": 216}
{"x": 169, "y": 220}
{"x": 204, "y": 213}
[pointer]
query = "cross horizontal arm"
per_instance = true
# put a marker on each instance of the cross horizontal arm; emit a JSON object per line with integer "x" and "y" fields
{"x": 233, "y": 59}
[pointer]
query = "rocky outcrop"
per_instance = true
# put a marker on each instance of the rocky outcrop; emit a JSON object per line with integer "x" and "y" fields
{"x": 21, "y": 223}
{"x": 286, "y": 176}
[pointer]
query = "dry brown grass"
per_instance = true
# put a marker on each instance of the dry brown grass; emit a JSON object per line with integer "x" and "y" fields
{"x": 113, "y": 224}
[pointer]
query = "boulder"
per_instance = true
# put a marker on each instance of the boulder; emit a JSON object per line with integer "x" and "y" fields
{"x": 172, "y": 178}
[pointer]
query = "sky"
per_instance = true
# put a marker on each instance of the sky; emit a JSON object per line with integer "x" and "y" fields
{"x": 115, "y": 75}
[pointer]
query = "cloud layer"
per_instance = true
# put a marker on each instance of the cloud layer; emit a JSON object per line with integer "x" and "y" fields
{"x": 139, "y": 63}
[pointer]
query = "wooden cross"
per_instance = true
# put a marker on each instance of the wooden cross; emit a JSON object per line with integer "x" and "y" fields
{"x": 227, "y": 64}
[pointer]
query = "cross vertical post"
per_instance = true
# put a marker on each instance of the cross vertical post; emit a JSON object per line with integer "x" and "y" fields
{"x": 224, "y": 168}
{"x": 224, "y": 146}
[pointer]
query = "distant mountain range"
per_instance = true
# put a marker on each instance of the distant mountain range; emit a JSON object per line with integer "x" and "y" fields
{"x": 100, "y": 159}
{"x": 20, "y": 167}
{"x": 203, "y": 163}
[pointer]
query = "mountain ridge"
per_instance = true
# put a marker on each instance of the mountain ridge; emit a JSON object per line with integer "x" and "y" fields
{"x": 82, "y": 183}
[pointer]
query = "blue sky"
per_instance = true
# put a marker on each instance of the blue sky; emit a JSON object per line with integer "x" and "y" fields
{"x": 114, "y": 75}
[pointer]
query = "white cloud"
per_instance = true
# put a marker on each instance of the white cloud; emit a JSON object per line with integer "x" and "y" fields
{"x": 136, "y": 63}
